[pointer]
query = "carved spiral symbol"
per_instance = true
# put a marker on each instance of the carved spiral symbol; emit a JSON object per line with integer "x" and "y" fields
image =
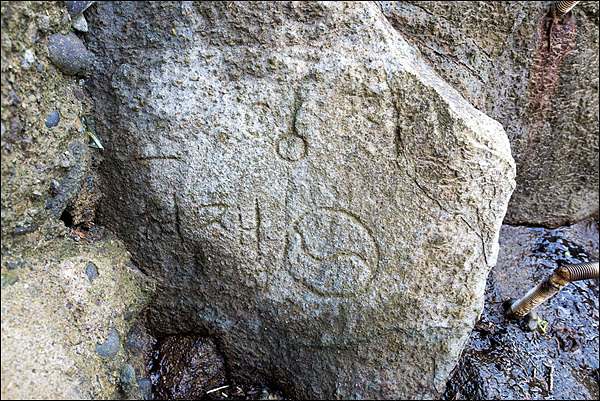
{"x": 332, "y": 253}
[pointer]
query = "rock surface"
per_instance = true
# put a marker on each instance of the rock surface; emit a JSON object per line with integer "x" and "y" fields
{"x": 53, "y": 315}
{"x": 303, "y": 188}
{"x": 496, "y": 54}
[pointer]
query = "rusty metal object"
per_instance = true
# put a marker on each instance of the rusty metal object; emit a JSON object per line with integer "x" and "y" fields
{"x": 563, "y": 7}
{"x": 557, "y": 10}
{"x": 550, "y": 286}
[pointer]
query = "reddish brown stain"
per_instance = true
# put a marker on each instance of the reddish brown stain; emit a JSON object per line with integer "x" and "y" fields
{"x": 555, "y": 40}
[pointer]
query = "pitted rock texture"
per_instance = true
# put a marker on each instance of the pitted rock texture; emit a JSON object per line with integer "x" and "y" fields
{"x": 303, "y": 188}
{"x": 496, "y": 54}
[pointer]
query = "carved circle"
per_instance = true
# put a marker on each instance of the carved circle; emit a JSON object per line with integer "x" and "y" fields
{"x": 291, "y": 147}
{"x": 332, "y": 253}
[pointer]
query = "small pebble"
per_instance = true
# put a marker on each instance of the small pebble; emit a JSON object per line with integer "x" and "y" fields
{"x": 64, "y": 19}
{"x": 80, "y": 24}
{"x": 28, "y": 59}
{"x": 13, "y": 265}
{"x": 91, "y": 271}
{"x": 111, "y": 346}
{"x": 530, "y": 321}
{"x": 40, "y": 67}
{"x": 9, "y": 281}
{"x": 53, "y": 119}
{"x": 69, "y": 54}
{"x": 145, "y": 386}
{"x": 20, "y": 230}
{"x": 16, "y": 100}
{"x": 44, "y": 23}
{"x": 127, "y": 378}
{"x": 54, "y": 187}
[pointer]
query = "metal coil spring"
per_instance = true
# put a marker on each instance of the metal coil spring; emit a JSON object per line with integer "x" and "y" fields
{"x": 550, "y": 286}
{"x": 564, "y": 7}
{"x": 583, "y": 271}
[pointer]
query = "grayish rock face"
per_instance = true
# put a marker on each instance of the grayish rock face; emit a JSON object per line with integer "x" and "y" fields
{"x": 496, "y": 54}
{"x": 302, "y": 187}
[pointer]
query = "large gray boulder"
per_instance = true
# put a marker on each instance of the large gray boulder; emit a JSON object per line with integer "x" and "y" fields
{"x": 302, "y": 187}
{"x": 495, "y": 53}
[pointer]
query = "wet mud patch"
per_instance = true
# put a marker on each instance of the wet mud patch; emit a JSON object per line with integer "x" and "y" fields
{"x": 190, "y": 366}
{"x": 559, "y": 359}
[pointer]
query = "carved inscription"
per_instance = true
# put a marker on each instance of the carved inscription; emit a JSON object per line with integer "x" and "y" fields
{"x": 291, "y": 147}
{"x": 332, "y": 253}
{"x": 250, "y": 229}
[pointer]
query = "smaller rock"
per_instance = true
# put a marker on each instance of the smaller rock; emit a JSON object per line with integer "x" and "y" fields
{"x": 127, "y": 378}
{"x": 530, "y": 321}
{"x": 28, "y": 59}
{"x": 54, "y": 187}
{"x": 8, "y": 280}
{"x": 25, "y": 143}
{"x": 20, "y": 230}
{"x": 53, "y": 119}
{"x": 187, "y": 367}
{"x": 44, "y": 23}
{"x": 69, "y": 54}
{"x": 13, "y": 265}
{"x": 111, "y": 346}
{"x": 16, "y": 100}
{"x": 80, "y": 24}
{"x": 145, "y": 386}
{"x": 91, "y": 271}
{"x": 40, "y": 67}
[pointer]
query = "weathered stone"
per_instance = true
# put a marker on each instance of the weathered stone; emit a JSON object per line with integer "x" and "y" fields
{"x": 69, "y": 54}
{"x": 496, "y": 54}
{"x": 303, "y": 187}
{"x": 52, "y": 316}
{"x": 53, "y": 119}
{"x": 76, "y": 8}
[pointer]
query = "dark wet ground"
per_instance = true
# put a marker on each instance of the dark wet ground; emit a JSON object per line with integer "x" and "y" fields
{"x": 501, "y": 360}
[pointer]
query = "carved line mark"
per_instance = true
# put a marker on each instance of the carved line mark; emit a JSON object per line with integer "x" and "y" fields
{"x": 221, "y": 209}
{"x": 478, "y": 233}
{"x": 401, "y": 151}
{"x": 293, "y": 146}
{"x": 253, "y": 228}
{"x": 165, "y": 157}
{"x": 257, "y": 216}
{"x": 178, "y": 218}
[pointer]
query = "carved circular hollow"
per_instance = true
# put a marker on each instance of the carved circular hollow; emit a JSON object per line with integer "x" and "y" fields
{"x": 332, "y": 253}
{"x": 291, "y": 147}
